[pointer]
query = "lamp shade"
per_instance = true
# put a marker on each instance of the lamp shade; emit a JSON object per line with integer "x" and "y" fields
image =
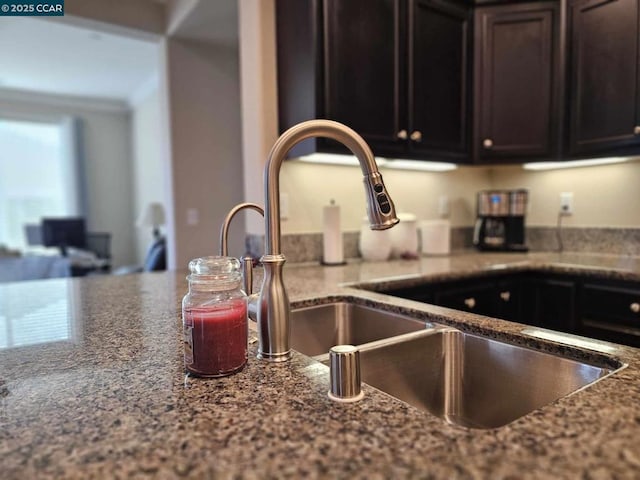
{"x": 152, "y": 216}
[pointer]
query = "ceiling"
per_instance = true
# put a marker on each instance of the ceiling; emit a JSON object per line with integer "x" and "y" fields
{"x": 54, "y": 57}
{"x": 57, "y": 57}
{"x": 212, "y": 22}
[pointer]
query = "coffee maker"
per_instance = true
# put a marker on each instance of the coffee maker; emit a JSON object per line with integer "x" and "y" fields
{"x": 500, "y": 221}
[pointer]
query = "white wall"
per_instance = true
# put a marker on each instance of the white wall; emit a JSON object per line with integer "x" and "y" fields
{"x": 203, "y": 95}
{"x": 148, "y": 166}
{"x": 107, "y": 150}
{"x": 311, "y": 186}
{"x": 259, "y": 98}
{"x": 604, "y": 196}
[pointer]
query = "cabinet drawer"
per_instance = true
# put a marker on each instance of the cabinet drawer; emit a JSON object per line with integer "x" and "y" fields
{"x": 614, "y": 303}
{"x": 611, "y": 313}
{"x": 470, "y": 299}
{"x": 611, "y": 332}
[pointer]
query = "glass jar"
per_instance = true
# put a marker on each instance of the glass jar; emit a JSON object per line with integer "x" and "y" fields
{"x": 214, "y": 318}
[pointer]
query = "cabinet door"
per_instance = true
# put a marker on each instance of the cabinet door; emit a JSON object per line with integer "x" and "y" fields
{"x": 421, "y": 293}
{"x": 439, "y": 47}
{"x": 604, "y": 88}
{"x": 507, "y": 297}
{"x": 611, "y": 313}
{"x": 476, "y": 297}
{"x": 364, "y": 61}
{"x": 517, "y": 82}
{"x": 554, "y": 304}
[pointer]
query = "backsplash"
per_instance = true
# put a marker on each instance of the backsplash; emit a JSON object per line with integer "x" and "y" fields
{"x": 307, "y": 247}
{"x": 618, "y": 241}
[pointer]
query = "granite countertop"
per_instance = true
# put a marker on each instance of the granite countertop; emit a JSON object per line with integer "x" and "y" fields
{"x": 92, "y": 386}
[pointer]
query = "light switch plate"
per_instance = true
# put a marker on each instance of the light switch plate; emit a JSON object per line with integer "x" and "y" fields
{"x": 193, "y": 217}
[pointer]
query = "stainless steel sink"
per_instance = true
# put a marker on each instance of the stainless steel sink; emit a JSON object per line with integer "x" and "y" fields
{"x": 314, "y": 330}
{"x": 469, "y": 380}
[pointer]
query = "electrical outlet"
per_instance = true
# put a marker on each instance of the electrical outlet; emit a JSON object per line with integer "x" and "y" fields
{"x": 566, "y": 203}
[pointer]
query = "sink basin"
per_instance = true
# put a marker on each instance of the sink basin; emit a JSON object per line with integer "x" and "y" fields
{"x": 314, "y": 330}
{"x": 469, "y": 380}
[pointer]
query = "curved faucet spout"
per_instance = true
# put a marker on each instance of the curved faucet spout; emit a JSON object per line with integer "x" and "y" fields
{"x": 247, "y": 262}
{"x": 379, "y": 205}
{"x": 273, "y": 308}
{"x": 224, "y": 230}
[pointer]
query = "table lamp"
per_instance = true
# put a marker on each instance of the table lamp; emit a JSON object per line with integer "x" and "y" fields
{"x": 152, "y": 216}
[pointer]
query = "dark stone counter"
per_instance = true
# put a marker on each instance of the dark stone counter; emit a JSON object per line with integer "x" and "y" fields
{"x": 92, "y": 386}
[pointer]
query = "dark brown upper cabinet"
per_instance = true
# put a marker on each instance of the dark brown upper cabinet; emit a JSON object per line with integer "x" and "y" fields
{"x": 396, "y": 71}
{"x": 439, "y": 80}
{"x": 604, "y": 72}
{"x": 517, "y": 82}
{"x": 484, "y": 81}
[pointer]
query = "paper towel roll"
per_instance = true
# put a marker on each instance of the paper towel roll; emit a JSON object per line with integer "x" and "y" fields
{"x": 332, "y": 253}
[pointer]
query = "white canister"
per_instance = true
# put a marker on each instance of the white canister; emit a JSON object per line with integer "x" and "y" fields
{"x": 436, "y": 237}
{"x": 404, "y": 237}
{"x": 374, "y": 245}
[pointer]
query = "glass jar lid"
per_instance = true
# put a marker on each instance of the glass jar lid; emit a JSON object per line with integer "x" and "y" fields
{"x": 215, "y": 269}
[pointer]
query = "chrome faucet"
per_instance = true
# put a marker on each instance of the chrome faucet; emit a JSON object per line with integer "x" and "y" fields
{"x": 273, "y": 304}
{"x": 247, "y": 262}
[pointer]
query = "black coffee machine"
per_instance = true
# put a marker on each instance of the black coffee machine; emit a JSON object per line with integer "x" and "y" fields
{"x": 500, "y": 222}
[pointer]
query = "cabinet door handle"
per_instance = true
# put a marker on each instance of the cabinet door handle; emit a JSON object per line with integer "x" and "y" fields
{"x": 416, "y": 136}
{"x": 506, "y": 296}
{"x": 635, "y": 307}
{"x": 487, "y": 143}
{"x": 402, "y": 135}
{"x": 636, "y": 130}
{"x": 470, "y": 302}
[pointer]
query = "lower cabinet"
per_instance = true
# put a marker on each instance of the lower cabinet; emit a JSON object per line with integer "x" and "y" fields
{"x": 549, "y": 302}
{"x": 595, "y": 308}
{"x": 472, "y": 297}
{"x": 610, "y": 311}
{"x": 492, "y": 296}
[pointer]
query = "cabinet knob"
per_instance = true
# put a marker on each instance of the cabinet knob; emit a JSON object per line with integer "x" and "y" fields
{"x": 487, "y": 143}
{"x": 402, "y": 135}
{"x": 635, "y": 307}
{"x": 470, "y": 302}
{"x": 506, "y": 296}
{"x": 636, "y": 130}
{"x": 416, "y": 136}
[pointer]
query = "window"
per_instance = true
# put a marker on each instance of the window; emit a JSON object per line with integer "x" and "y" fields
{"x": 36, "y": 312}
{"x": 38, "y": 175}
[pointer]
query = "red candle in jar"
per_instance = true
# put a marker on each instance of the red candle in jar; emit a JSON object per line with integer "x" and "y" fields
{"x": 216, "y": 338}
